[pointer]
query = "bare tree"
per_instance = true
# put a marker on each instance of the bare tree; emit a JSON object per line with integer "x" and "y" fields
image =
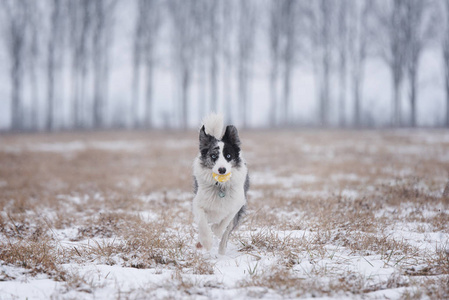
{"x": 319, "y": 16}
{"x": 246, "y": 37}
{"x": 288, "y": 29}
{"x": 227, "y": 35}
{"x": 184, "y": 37}
{"x": 33, "y": 54}
{"x": 322, "y": 40}
{"x": 145, "y": 35}
{"x": 15, "y": 17}
{"x": 343, "y": 13}
{"x": 275, "y": 16}
{"x": 358, "y": 35}
{"x": 445, "y": 50}
{"x": 417, "y": 34}
{"x": 54, "y": 49}
{"x": 102, "y": 23}
{"x": 81, "y": 30}
{"x": 390, "y": 29}
{"x": 213, "y": 34}
{"x": 137, "y": 59}
{"x": 203, "y": 53}
{"x": 153, "y": 25}
{"x": 153, "y": 21}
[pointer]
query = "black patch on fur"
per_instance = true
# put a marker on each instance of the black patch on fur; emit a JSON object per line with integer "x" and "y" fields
{"x": 231, "y": 136}
{"x": 231, "y": 147}
{"x": 195, "y": 185}
{"x": 246, "y": 186}
{"x": 205, "y": 141}
{"x": 208, "y": 149}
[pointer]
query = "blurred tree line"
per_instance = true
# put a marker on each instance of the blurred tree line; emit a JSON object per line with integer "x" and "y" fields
{"x": 215, "y": 40}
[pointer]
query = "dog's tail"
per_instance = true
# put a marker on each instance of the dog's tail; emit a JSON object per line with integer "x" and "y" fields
{"x": 213, "y": 125}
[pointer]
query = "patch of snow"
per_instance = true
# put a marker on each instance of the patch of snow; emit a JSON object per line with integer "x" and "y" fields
{"x": 268, "y": 178}
{"x": 149, "y": 216}
{"x": 57, "y": 147}
{"x": 17, "y": 283}
{"x": 161, "y": 196}
{"x": 77, "y": 146}
{"x": 347, "y": 177}
{"x": 180, "y": 144}
{"x": 350, "y": 194}
{"x": 10, "y": 149}
{"x": 117, "y": 145}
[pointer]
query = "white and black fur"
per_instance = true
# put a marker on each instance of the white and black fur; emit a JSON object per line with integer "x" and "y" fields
{"x": 218, "y": 207}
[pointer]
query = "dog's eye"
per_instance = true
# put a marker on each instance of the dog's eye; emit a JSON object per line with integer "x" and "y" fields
{"x": 228, "y": 156}
{"x": 214, "y": 156}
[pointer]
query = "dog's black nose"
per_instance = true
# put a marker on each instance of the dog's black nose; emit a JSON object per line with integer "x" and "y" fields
{"x": 221, "y": 170}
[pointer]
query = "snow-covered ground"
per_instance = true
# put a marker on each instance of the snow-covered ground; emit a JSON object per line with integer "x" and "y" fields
{"x": 332, "y": 214}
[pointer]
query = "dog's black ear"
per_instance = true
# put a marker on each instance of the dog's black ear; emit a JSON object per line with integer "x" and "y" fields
{"x": 231, "y": 136}
{"x": 205, "y": 140}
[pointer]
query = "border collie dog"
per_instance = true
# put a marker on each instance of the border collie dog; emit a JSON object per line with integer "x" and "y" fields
{"x": 220, "y": 182}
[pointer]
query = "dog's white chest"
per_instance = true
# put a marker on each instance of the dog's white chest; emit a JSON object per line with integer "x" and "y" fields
{"x": 219, "y": 202}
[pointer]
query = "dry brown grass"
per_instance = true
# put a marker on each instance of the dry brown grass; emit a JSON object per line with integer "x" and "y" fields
{"x": 128, "y": 204}
{"x": 37, "y": 257}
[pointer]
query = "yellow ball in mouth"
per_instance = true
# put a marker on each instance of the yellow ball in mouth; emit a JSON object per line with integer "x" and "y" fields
{"x": 221, "y": 178}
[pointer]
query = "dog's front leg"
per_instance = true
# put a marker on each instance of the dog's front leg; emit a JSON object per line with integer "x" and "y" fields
{"x": 204, "y": 232}
{"x": 224, "y": 238}
{"x": 219, "y": 228}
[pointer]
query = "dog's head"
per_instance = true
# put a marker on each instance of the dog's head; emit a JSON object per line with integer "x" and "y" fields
{"x": 220, "y": 155}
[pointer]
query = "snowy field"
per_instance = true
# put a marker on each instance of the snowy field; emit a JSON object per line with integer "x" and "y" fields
{"x": 332, "y": 214}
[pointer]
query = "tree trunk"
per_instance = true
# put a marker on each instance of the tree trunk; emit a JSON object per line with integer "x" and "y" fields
{"x": 99, "y": 50}
{"x": 133, "y": 114}
{"x": 446, "y": 60}
{"x": 447, "y": 105}
{"x": 83, "y": 93}
{"x": 98, "y": 88}
{"x": 447, "y": 84}
{"x": 326, "y": 57}
{"x": 105, "y": 70}
{"x": 413, "y": 98}
{"x": 34, "y": 107}
{"x": 286, "y": 96}
{"x": 243, "y": 95}
{"x": 396, "y": 121}
{"x": 324, "y": 104}
{"x": 342, "y": 47}
{"x": 227, "y": 90}
{"x": 226, "y": 37}
{"x": 213, "y": 57}
{"x": 357, "y": 101}
{"x": 16, "y": 95}
{"x": 149, "y": 93}
{"x": 273, "y": 91}
{"x": 50, "y": 86}
{"x": 185, "y": 97}
{"x": 75, "y": 95}
{"x": 213, "y": 83}
{"x": 202, "y": 107}
{"x": 342, "y": 90}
